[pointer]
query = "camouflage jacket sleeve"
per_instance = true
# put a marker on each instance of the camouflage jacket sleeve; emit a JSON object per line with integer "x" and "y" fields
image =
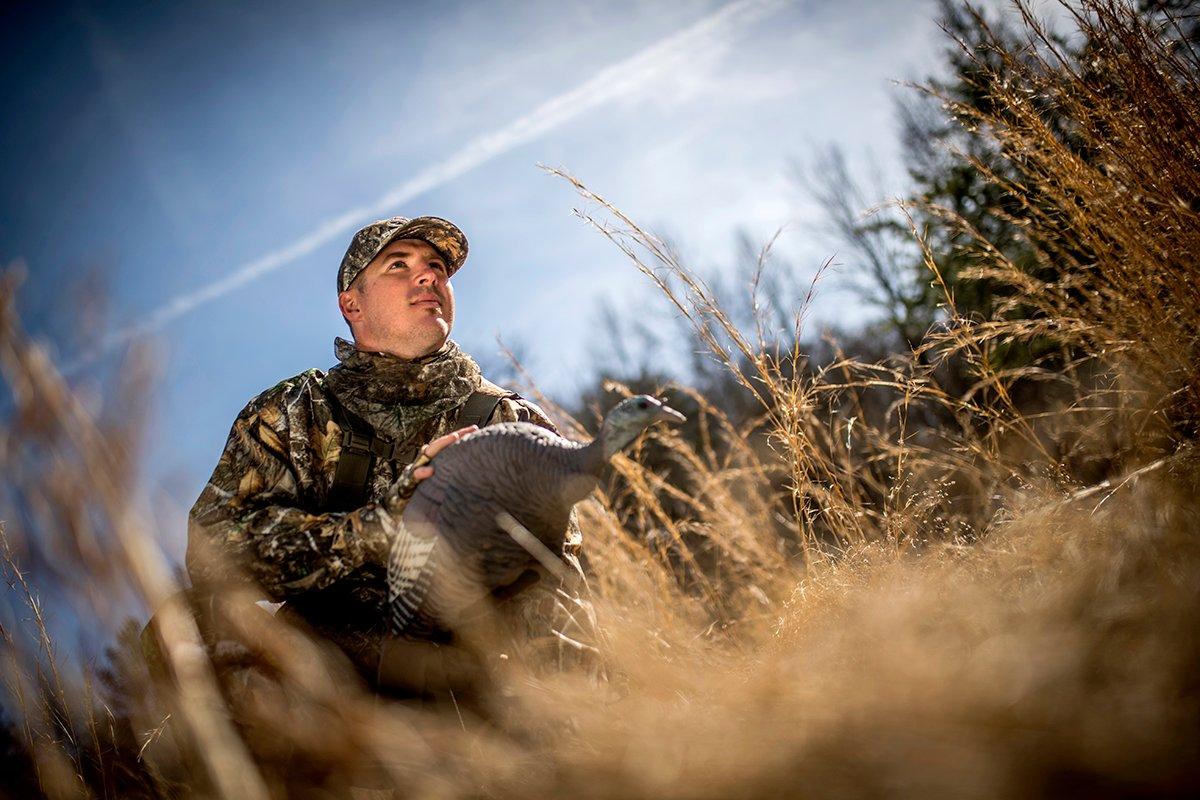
{"x": 256, "y": 518}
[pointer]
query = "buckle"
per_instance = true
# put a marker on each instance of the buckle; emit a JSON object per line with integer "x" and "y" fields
{"x": 355, "y": 441}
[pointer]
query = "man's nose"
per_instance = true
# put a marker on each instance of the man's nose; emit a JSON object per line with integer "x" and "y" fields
{"x": 427, "y": 276}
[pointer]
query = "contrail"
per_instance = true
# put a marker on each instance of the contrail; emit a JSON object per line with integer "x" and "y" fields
{"x": 611, "y": 82}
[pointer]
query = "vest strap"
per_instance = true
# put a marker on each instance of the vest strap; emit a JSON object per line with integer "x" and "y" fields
{"x": 477, "y": 410}
{"x": 348, "y": 489}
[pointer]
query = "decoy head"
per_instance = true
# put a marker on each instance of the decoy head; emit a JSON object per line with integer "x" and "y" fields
{"x": 632, "y": 416}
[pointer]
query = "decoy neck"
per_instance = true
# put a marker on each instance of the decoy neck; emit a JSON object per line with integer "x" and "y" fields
{"x": 623, "y": 424}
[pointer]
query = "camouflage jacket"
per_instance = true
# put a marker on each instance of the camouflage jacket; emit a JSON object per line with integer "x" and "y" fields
{"x": 261, "y": 516}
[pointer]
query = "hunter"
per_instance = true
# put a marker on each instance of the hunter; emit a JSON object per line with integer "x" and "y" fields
{"x": 312, "y": 464}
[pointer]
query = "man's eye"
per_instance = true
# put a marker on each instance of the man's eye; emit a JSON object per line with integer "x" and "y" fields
{"x": 398, "y": 264}
{"x": 438, "y": 266}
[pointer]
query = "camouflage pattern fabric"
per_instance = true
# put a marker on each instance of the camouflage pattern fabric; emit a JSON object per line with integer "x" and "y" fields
{"x": 260, "y": 517}
{"x": 397, "y": 397}
{"x": 442, "y": 234}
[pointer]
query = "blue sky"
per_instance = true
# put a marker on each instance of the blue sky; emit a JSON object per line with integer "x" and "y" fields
{"x": 151, "y": 151}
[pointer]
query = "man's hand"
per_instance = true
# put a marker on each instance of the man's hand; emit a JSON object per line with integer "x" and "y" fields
{"x": 420, "y": 469}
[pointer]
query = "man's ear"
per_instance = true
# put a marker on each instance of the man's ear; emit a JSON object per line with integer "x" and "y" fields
{"x": 349, "y": 305}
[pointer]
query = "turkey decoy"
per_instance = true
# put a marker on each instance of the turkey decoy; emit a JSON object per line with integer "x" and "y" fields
{"x": 452, "y": 543}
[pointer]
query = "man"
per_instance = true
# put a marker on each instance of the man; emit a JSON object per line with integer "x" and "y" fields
{"x": 315, "y": 468}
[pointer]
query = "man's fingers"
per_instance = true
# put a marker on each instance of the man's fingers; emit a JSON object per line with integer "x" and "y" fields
{"x": 419, "y": 470}
{"x": 442, "y": 442}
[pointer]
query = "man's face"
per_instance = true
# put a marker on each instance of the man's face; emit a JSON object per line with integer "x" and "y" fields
{"x": 402, "y": 302}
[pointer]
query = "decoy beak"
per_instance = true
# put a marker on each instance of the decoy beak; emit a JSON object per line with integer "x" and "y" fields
{"x": 667, "y": 414}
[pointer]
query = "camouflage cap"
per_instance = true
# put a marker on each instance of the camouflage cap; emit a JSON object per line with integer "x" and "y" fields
{"x": 366, "y": 244}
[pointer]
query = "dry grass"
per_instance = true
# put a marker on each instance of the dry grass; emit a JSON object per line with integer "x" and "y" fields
{"x": 827, "y": 599}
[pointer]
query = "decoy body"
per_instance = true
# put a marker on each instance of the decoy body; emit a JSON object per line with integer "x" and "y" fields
{"x": 450, "y": 546}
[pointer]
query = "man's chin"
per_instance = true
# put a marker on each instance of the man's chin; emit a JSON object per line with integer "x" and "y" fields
{"x": 433, "y": 336}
